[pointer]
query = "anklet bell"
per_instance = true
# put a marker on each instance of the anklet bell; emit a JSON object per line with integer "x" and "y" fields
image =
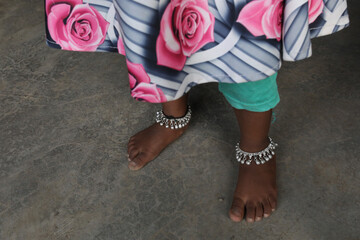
{"x": 259, "y": 157}
{"x": 173, "y": 122}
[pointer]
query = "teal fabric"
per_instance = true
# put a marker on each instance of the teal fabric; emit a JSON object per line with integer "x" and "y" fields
{"x": 257, "y": 96}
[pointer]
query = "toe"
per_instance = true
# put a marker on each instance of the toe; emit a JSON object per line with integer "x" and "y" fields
{"x": 267, "y": 208}
{"x": 273, "y": 202}
{"x": 131, "y": 142}
{"x": 250, "y": 212}
{"x": 236, "y": 212}
{"x": 259, "y": 212}
{"x": 138, "y": 162}
{"x": 133, "y": 151}
{"x": 133, "y": 166}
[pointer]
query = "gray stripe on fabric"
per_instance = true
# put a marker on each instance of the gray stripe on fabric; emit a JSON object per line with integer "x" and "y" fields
{"x": 336, "y": 28}
{"x": 140, "y": 39}
{"x": 221, "y": 29}
{"x": 298, "y": 21}
{"x": 257, "y": 53}
{"x": 331, "y": 4}
{"x": 305, "y": 47}
{"x": 167, "y": 91}
{"x": 166, "y": 73}
{"x": 100, "y": 8}
{"x": 209, "y": 69}
{"x": 147, "y": 42}
{"x": 254, "y": 51}
{"x": 241, "y": 67}
{"x": 151, "y": 15}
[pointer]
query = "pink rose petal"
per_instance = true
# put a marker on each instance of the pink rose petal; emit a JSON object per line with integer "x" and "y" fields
{"x": 186, "y": 26}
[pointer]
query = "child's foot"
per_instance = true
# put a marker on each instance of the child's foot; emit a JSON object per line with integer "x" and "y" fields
{"x": 147, "y": 144}
{"x": 255, "y": 195}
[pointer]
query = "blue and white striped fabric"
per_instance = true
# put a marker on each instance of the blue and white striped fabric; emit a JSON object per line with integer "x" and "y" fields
{"x": 236, "y": 53}
{"x": 297, "y": 33}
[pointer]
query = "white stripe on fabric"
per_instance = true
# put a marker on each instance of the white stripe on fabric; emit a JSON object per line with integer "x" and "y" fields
{"x": 194, "y": 76}
{"x": 300, "y": 41}
{"x": 290, "y": 7}
{"x": 213, "y": 53}
{"x": 332, "y": 18}
{"x": 251, "y": 61}
{"x": 189, "y": 70}
{"x": 266, "y": 47}
{"x": 111, "y": 19}
{"x": 99, "y": 2}
{"x": 228, "y": 70}
{"x": 134, "y": 47}
{"x": 163, "y": 82}
{"x": 148, "y": 3}
{"x": 343, "y": 20}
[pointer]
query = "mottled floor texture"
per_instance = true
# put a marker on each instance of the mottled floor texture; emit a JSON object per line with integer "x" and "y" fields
{"x": 66, "y": 117}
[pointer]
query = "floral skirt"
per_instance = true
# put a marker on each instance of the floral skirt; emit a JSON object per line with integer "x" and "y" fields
{"x": 172, "y": 45}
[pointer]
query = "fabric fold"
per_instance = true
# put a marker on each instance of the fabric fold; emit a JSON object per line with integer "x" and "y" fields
{"x": 304, "y": 20}
{"x": 171, "y": 46}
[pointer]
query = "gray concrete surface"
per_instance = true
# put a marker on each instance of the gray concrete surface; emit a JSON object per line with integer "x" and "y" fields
{"x": 66, "y": 117}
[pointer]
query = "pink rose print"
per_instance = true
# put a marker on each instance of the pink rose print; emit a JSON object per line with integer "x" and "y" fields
{"x": 75, "y": 26}
{"x": 120, "y": 46}
{"x": 316, "y": 7}
{"x": 141, "y": 87}
{"x": 50, "y": 3}
{"x": 186, "y": 26}
{"x": 264, "y": 17}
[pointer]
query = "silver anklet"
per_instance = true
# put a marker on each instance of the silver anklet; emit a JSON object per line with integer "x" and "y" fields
{"x": 173, "y": 122}
{"x": 259, "y": 157}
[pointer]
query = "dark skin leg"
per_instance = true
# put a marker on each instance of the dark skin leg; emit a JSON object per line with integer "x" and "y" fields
{"x": 147, "y": 144}
{"x": 256, "y": 191}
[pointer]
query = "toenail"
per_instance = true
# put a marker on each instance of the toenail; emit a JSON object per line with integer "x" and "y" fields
{"x": 250, "y": 220}
{"x": 266, "y": 215}
{"x": 236, "y": 211}
{"x": 258, "y": 218}
{"x": 129, "y": 159}
{"x": 133, "y": 164}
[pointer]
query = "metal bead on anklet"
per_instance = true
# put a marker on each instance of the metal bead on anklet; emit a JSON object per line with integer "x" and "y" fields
{"x": 173, "y": 122}
{"x": 259, "y": 157}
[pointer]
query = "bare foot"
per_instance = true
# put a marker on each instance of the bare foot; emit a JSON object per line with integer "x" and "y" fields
{"x": 147, "y": 144}
{"x": 256, "y": 192}
{"x": 255, "y": 195}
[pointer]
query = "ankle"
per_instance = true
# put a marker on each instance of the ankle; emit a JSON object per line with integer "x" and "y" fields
{"x": 251, "y": 145}
{"x": 176, "y": 108}
{"x": 176, "y": 111}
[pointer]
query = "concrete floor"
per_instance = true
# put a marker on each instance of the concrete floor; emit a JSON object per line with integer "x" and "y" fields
{"x": 66, "y": 117}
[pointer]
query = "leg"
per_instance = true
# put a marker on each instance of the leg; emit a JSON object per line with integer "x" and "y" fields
{"x": 256, "y": 191}
{"x": 147, "y": 144}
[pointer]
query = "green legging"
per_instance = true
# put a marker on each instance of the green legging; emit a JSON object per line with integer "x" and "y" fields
{"x": 257, "y": 96}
